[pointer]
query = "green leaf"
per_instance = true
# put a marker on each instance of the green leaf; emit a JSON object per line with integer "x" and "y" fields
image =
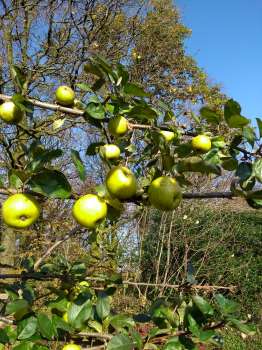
{"x": 203, "y": 305}
{"x": 24, "y": 346}
{"x": 45, "y": 326}
{"x": 51, "y": 183}
{"x": 27, "y": 328}
{"x": 120, "y": 342}
{"x": 42, "y": 158}
{"x": 209, "y": 115}
{"x": 231, "y": 108}
{"x": 103, "y": 306}
{"x": 98, "y": 84}
{"x": 254, "y": 199}
{"x": 93, "y": 148}
{"x": 135, "y": 90}
{"x": 40, "y": 347}
{"x": 96, "y": 326}
{"x": 229, "y": 164}
{"x": 226, "y": 306}
{"x": 218, "y": 142}
{"x": 19, "y": 76}
{"x": 21, "y": 102}
{"x": 259, "y": 125}
{"x": 16, "y": 306}
{"x": 95, "y": 110}
{"x": 257, "y": 169}
{"x": 137, "y": 339}
{"x": 196, "y": 164}
{"x": 249, "y": 134}
{"x": 2, "y": 248}
{"x": 142, "y": 112}
{"x": 121, "y": 321}
{"x": 173, "y": 343}
{"x": 244, "y": 171}
{"x": 78, "y": 164}
{"x": 60, "y": 304}
{"x": 59, "y": 323}
{"x": 78, "y": 314}
{"x": 243, "y": 327}
{"x": 193, "y": 326}
{"x": 237, "y": 121}
{"x": 93, "y": 69}
{"x": 16, "y": 178}
{"x": 85, "y": 87}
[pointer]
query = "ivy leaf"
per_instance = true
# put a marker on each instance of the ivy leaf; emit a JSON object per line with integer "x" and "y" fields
{"x": 78, "y": 164}
{"x": 120, "y": 342}
{"x": 51, "y": 183}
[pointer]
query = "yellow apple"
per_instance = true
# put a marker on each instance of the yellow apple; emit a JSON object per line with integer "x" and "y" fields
{"x": 167, "y": 135}
{"x": 201, "y": 143}
{"x": 89, "y": 210}
{"x": 72, "y": 347}
{"x": 118, "y": 126}
{"x": 165, "y": 193}
{"x": 65, "y": 95}
{"x": 110, "y": 151}
{"x": 10, "y": 113}
{"x": 121, "y": 182}
{"x": 20, "y": 210}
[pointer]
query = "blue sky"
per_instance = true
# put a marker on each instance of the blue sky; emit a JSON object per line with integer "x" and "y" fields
{"x": 227, "y": 42}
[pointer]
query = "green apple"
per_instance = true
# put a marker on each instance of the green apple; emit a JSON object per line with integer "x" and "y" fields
{"x": 65, "y": 95}
{"x": 65, "y": 316}
{"x": 201, "y": 143}
{"x": 72, "y": 347}
{"x": 89, "y": 210}
{"x": 167, "y": 135}
{"x": 110, "y": 151}
{"x": 165, "y": 193}
{"x": 121, "y": 182}
{"x": 20, "y": 210}
{"x": 118, "y": 126}
{"x": 10, "y": 113}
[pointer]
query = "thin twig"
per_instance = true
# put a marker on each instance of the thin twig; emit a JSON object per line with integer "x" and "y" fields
{"x": 54, "y": 246}
{"x": 95, "y": 335}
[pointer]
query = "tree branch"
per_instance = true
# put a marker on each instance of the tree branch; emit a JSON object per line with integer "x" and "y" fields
{"x": 57, "y": 244}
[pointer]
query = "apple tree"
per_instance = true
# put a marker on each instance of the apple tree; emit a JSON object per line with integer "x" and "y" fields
{"x": 148, "y": 155}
